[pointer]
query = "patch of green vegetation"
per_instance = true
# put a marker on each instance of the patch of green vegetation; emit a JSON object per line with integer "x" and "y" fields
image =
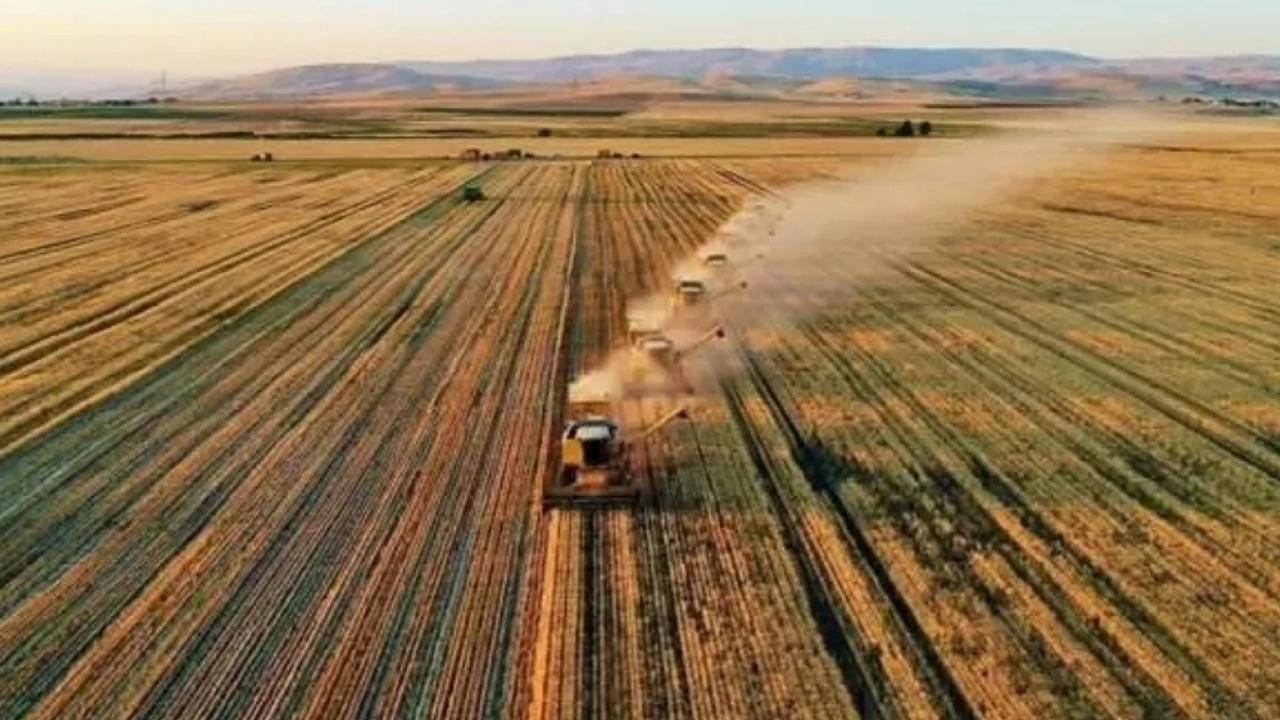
{"x": 819, "y": 128}
{"x": 108, "y": 112}
{"x": 1010, "y": 92}
{"x": 219, "y": 135}
{"x": 525, "y": 112}
{"x": 38, "y": 160}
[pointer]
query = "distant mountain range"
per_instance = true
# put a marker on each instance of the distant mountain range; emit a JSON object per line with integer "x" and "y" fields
{"x": 54, "y": 83}
{"x": 799, "y": 63}
{"x": 332, "y": 79}
{"x": 988, "y": 73}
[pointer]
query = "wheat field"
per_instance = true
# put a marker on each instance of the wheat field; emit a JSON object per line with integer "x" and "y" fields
{"x": 273, "y": 439}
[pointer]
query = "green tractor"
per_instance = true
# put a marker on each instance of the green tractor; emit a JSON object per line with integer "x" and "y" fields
{"x": 472, "y": 192}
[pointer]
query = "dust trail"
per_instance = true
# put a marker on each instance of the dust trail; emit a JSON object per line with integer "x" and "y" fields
{"x": 811, "y": 246}
{"x": 821, "y": 238}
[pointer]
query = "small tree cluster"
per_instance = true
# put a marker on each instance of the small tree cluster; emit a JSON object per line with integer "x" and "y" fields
{"x": 907, "y": 129}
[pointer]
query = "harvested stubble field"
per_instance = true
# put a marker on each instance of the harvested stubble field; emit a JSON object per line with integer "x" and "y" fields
{"x": 273, "y": 437}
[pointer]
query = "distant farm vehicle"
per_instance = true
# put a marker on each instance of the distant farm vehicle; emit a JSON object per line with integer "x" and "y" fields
{"x": 472, "y": 192}
{"x": 716, "y": 260}
{"x": 657, "y": 366}
{"x": 690, "y": 292}
{"x": 262, "y": 157}
{"x": 658, "y": 348}
{"x": 652, "y": 366}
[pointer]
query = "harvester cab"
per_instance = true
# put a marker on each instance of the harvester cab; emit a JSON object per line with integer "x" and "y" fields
{"x": 639, "y": 328}
{"x": 593, "y": 459}
{"x": 715, "y": 260}
{"x": 690, "y": 292}
{"x": 591, "y": 449}
{"x": 658, "y": 348}
{"x": 472, "y": 192}
{"x": 653, "y": 365}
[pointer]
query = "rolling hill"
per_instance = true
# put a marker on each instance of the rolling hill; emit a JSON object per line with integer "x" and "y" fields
{"x": 802, "y": 63}
{"x": 984, "y": 73}
{"x": 331, "y": 79}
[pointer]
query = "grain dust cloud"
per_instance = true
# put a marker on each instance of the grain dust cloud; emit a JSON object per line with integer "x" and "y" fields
{"x": 811, "y": 246}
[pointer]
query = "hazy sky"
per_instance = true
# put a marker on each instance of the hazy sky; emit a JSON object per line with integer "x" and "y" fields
{"x": 218, "y": 36}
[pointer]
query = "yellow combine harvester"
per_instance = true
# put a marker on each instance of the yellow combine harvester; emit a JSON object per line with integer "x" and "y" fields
{"x": 656, "y": 361}
{"x": 595, "y": 462}
{"x": 693, "y": 297}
